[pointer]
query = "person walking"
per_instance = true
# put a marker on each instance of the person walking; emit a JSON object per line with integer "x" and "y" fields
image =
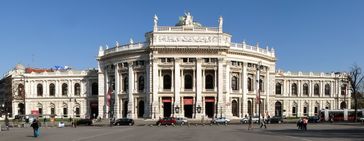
{"x": 262, "y": 123}
{"x": 304, "y": 124}
{"x": 299, "y": 124}
{"x": 35, "y": 126}
{"x": 250, "y": 123}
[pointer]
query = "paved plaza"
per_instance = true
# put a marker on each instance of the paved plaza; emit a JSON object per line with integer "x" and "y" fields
{"x": 274, "y": 132}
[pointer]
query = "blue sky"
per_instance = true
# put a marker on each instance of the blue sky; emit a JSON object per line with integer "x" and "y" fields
{"x": 308, "y": 35}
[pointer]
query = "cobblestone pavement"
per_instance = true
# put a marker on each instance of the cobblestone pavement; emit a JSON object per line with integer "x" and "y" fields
{"x": 235, "y": 132}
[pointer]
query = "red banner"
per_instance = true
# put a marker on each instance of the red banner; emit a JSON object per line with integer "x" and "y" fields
{"x": 166, "y": 99}
{"x": 209, "y": 99}
{"x": 188, "y": 101}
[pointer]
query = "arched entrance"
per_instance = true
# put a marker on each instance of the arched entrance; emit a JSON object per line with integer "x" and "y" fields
{"x": 140, "y": 109}
{"x": 343, "y": 105}
{"x": 125, "y": 109}
{"x": 21, "y": 110}
{"x": 278, "y": 109}
{"x": 234, "y": 108}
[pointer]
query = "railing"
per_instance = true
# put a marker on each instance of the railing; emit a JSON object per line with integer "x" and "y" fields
{"x": 317, "y": 74}
{"x": 125, "y": 47}
{"x": 245, "y": 47}
{"x": 183, "y": 28}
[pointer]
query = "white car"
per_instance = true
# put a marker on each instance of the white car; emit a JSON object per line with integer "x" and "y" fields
{"x": 181, "y": 121}
{"x": 255, "y": 119}
{"x": 220, "y": 120}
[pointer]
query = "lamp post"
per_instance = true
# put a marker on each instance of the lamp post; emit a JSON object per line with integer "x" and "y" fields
{"x": 259, "y": 67}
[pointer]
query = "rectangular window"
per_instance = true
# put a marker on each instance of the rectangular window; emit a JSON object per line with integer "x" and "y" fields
{"x": 40, "y": 110}
{"x": 305, "y": 111}
{"x": 184, "y": 60}
{"x": 294, "y": 113}
{"x": 65, "y": 112}
{"x": 169, "y": 60}
{"x": 52, "y": 111}
{"x": 206, "y": 60}
{"x": 192, "y": 60}
{"x": 77, "y": 112}
{"x": 316, "y": 109}
{"x": 163, "y": 60}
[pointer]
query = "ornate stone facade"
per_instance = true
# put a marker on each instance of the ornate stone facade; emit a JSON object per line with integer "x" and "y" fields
{"x": 193, "y": 71}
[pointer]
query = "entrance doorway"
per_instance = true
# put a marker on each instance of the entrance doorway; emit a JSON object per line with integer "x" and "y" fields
{"x": 250, "y": 108}
{"x": 125, "y": 109}
{"x": 188, "y": 106}
{"x": 21, "y": 109}
{"x": 209, "y": 106}
{"x": 234, "y": 108}
{"x": 94, "y": 109}
{"x": 278, "y": 109}
{"x": 140, "y": 109}
{"x": 167, "y": 106}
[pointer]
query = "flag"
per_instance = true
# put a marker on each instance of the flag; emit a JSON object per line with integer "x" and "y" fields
{"x": 108, "y": 97}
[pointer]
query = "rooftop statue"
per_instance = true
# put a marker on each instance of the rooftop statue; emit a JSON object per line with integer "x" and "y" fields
{"x": 187, "y": 20}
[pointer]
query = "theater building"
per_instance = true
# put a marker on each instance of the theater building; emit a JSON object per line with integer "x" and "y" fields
{"x": 186, "y": 70}
{"x": 189, "y": 70}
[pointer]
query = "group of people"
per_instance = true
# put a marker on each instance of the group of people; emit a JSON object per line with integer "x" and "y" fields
{"x": 302, "y": 124}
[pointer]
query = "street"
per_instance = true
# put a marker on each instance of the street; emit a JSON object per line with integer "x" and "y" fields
{"x": 274, "y": 132}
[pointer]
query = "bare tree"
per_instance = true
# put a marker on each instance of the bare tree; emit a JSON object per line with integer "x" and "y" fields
{"x": 355, "y": 79}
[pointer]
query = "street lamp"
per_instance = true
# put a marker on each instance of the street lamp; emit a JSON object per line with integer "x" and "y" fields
{"x": 198, "y": 109}
{"x": 259, "y": 67}
{"x": 177, "y": 109}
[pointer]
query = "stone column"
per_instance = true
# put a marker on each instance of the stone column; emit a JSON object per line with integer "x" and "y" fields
{"x": 245, "y": 90}
{"x": 199, "y": 87}
{"x": 130, "y": 90}
{"x": 156, "y": 80}
{"x": 116, "y": 92}
{"x": 147, "y": 90}
{"x": 101, "y": 92}
{"x": 220, "y": 87}
{"x": 177, "y": 86}
{"x": 267, "y": 93}
{"x": 228, "y": 90}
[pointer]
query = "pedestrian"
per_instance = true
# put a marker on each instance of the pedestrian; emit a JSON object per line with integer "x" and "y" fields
{"x": 299, "y": 124}
{"x": 250, "y": 123}
{"x": 304, "y": 123}
{"x": 35, "y": 126}
{"x": 262, "y": 123}
{"x": 74, "y": 123}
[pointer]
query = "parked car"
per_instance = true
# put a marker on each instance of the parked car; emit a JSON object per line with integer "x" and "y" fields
{"x": 181, "y": 121}
{"x": 167, "y": 121}
{"x": 361, "y": 119}
{"x": 84, "y": 122}
{"x": 220, "y": 120}
{"x": 124, "y": 121}
{"x": 275, "y": 119}
{"x": 314, "y": 119}
{"x": 255, "y": 119}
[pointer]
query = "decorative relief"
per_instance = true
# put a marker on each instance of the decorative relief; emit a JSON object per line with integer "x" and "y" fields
{"x": 197, "y": 39}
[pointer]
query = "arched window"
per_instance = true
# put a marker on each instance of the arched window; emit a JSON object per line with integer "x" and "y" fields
{"x": 250, "y": 84}
{"x": 52, "y": 89}
{"x": 167, "y": 82}
{"x": 188, "y": 81}
{"x": 278, "y": 88}
{"x": 125, "y": 84}
{"x": 261, "y": 85}
{"x": 95, "y": 88}
{"x": 327, "y": 89}
{"x": 20, "y": 89}
{"x": 64, "y": 89}
{"x": 234, "y": 83}
{"x": 294, "y": 89}
{"x": 209, "y": 81}
{"x": 316, "y": 89}
{"x": 39, "y": 90}
{"x": 305, "y": 89}
{"x": 77, "y": 89}
{"x": 141, "y": 83}
{"x": 343, "y": 89}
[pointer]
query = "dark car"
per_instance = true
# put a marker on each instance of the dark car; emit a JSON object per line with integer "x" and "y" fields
{"x": 84, "y": 122}
{"x": 124, "y": 121}
{"x": 314, "y": 119}
{"x": 275, "y": 119}
{"x": 166, "y": 121}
